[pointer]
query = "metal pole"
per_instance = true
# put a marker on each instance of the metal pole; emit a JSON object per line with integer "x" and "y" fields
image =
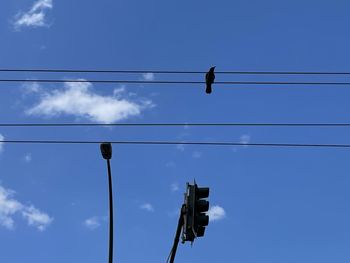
{"x": 110, "y": 212}
{"x": 177, "y": 236}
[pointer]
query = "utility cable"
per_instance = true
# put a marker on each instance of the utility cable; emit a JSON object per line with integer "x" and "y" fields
{"x": 174, "y": 124}
{"x": 294, "y": 145}
{"x": 41, "y": 70}
{"x": 104, "y": 81}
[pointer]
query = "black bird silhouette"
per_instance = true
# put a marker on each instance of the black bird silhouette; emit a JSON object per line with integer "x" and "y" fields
{"x": 209, "y": 79}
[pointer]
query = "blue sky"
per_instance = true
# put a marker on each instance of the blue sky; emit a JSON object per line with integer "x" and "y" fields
{"x": 268, "y": 205}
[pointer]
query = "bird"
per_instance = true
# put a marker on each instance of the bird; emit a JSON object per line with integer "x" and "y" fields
{"x": 209, "y": 79}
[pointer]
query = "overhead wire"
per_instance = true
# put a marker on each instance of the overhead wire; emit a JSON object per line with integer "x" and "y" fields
{"x": 42, "y": 70}
{"x": 175, "y": 124}
{"x": 105, "y": 81}
{"x": 184, "y": 124}
{"x": 298, "y": 145}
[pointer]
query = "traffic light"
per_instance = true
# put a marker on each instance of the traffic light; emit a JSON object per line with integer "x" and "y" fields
{"x": 201, "y": 219}
{"x": 195, "y": 216}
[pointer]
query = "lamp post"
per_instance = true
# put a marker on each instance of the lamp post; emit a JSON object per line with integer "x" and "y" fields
{"x": 106, "y": 151}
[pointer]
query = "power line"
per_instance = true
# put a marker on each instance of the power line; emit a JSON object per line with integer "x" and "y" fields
{"x": 175, "y": 124}
{"x": 290, "y": 145}
{"x": 174, "y": 71}
{"x": 103, "y": 81}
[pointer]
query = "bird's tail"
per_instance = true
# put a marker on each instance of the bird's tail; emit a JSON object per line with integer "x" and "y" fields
{"x": 208, "y": 89}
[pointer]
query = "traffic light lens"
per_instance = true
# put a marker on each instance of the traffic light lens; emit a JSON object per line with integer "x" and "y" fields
{"x": 200, "y": 231}
{"x": 202, "y": 206}
{"x": 202, "y": 192}
{"x": 202, "y": 220}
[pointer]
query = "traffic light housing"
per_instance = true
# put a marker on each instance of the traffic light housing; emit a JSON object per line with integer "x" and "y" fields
{"x": 201, "y": 219}
{"x": 195, "y": 216}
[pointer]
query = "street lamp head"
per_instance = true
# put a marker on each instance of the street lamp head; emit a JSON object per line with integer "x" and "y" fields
{"x": 106, "y": 150}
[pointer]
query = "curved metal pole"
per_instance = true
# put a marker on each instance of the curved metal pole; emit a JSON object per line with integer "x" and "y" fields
{"x": 110, "y": 260}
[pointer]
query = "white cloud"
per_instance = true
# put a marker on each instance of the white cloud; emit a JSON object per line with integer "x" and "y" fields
{"x": 174, "y": 187}
{"x": 1, "y": 143}
{"x": 92, "y": 223}
{"x": 180, "y": 147}
{"x": 148, "y": 207}
{"x": 216, "y": 213}
{"x": 79, "y": 100}
{"x": 196, "y": 154}
{"x": 42, "y": 4}
{"x": 182, "y": 137}
{"x": 30, "y": 88}
{"x": 119, "y": 91}
{"x": 35, "y": 17}
{"x": 148, "y": 76}
{"x": 10, "y": 206}
{"x": 36, "y": 218}
{"x": 27, "y": 158}
{"x": 244, "y": 139}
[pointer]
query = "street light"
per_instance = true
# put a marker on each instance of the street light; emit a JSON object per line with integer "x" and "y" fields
{"x": 106, "y": 151}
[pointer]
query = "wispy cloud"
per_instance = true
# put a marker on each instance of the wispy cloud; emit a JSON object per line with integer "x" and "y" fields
{"x": 119, "y": 91}
{"x": 244, "y": 139}
{"x": 35, "y": 17}
{"x": 148, "y": 76}
{"x": 92, "y": 223}
{"x": 36, "y": 218}
{"x": 1, "y": 143}
{"x": 216, "y": 213}
{"x": 27, "y": 158}
{"x": 196, "y": 154}
{"x": 147, "y": 207}
{"x": 10, "y": 206}
{"x": 180, "y": 147}
{"x": 183, "y": 137}
{"x": 174, "y": 187}
{"x": 78, "y": 99}
{"x": 30, "y": 88}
